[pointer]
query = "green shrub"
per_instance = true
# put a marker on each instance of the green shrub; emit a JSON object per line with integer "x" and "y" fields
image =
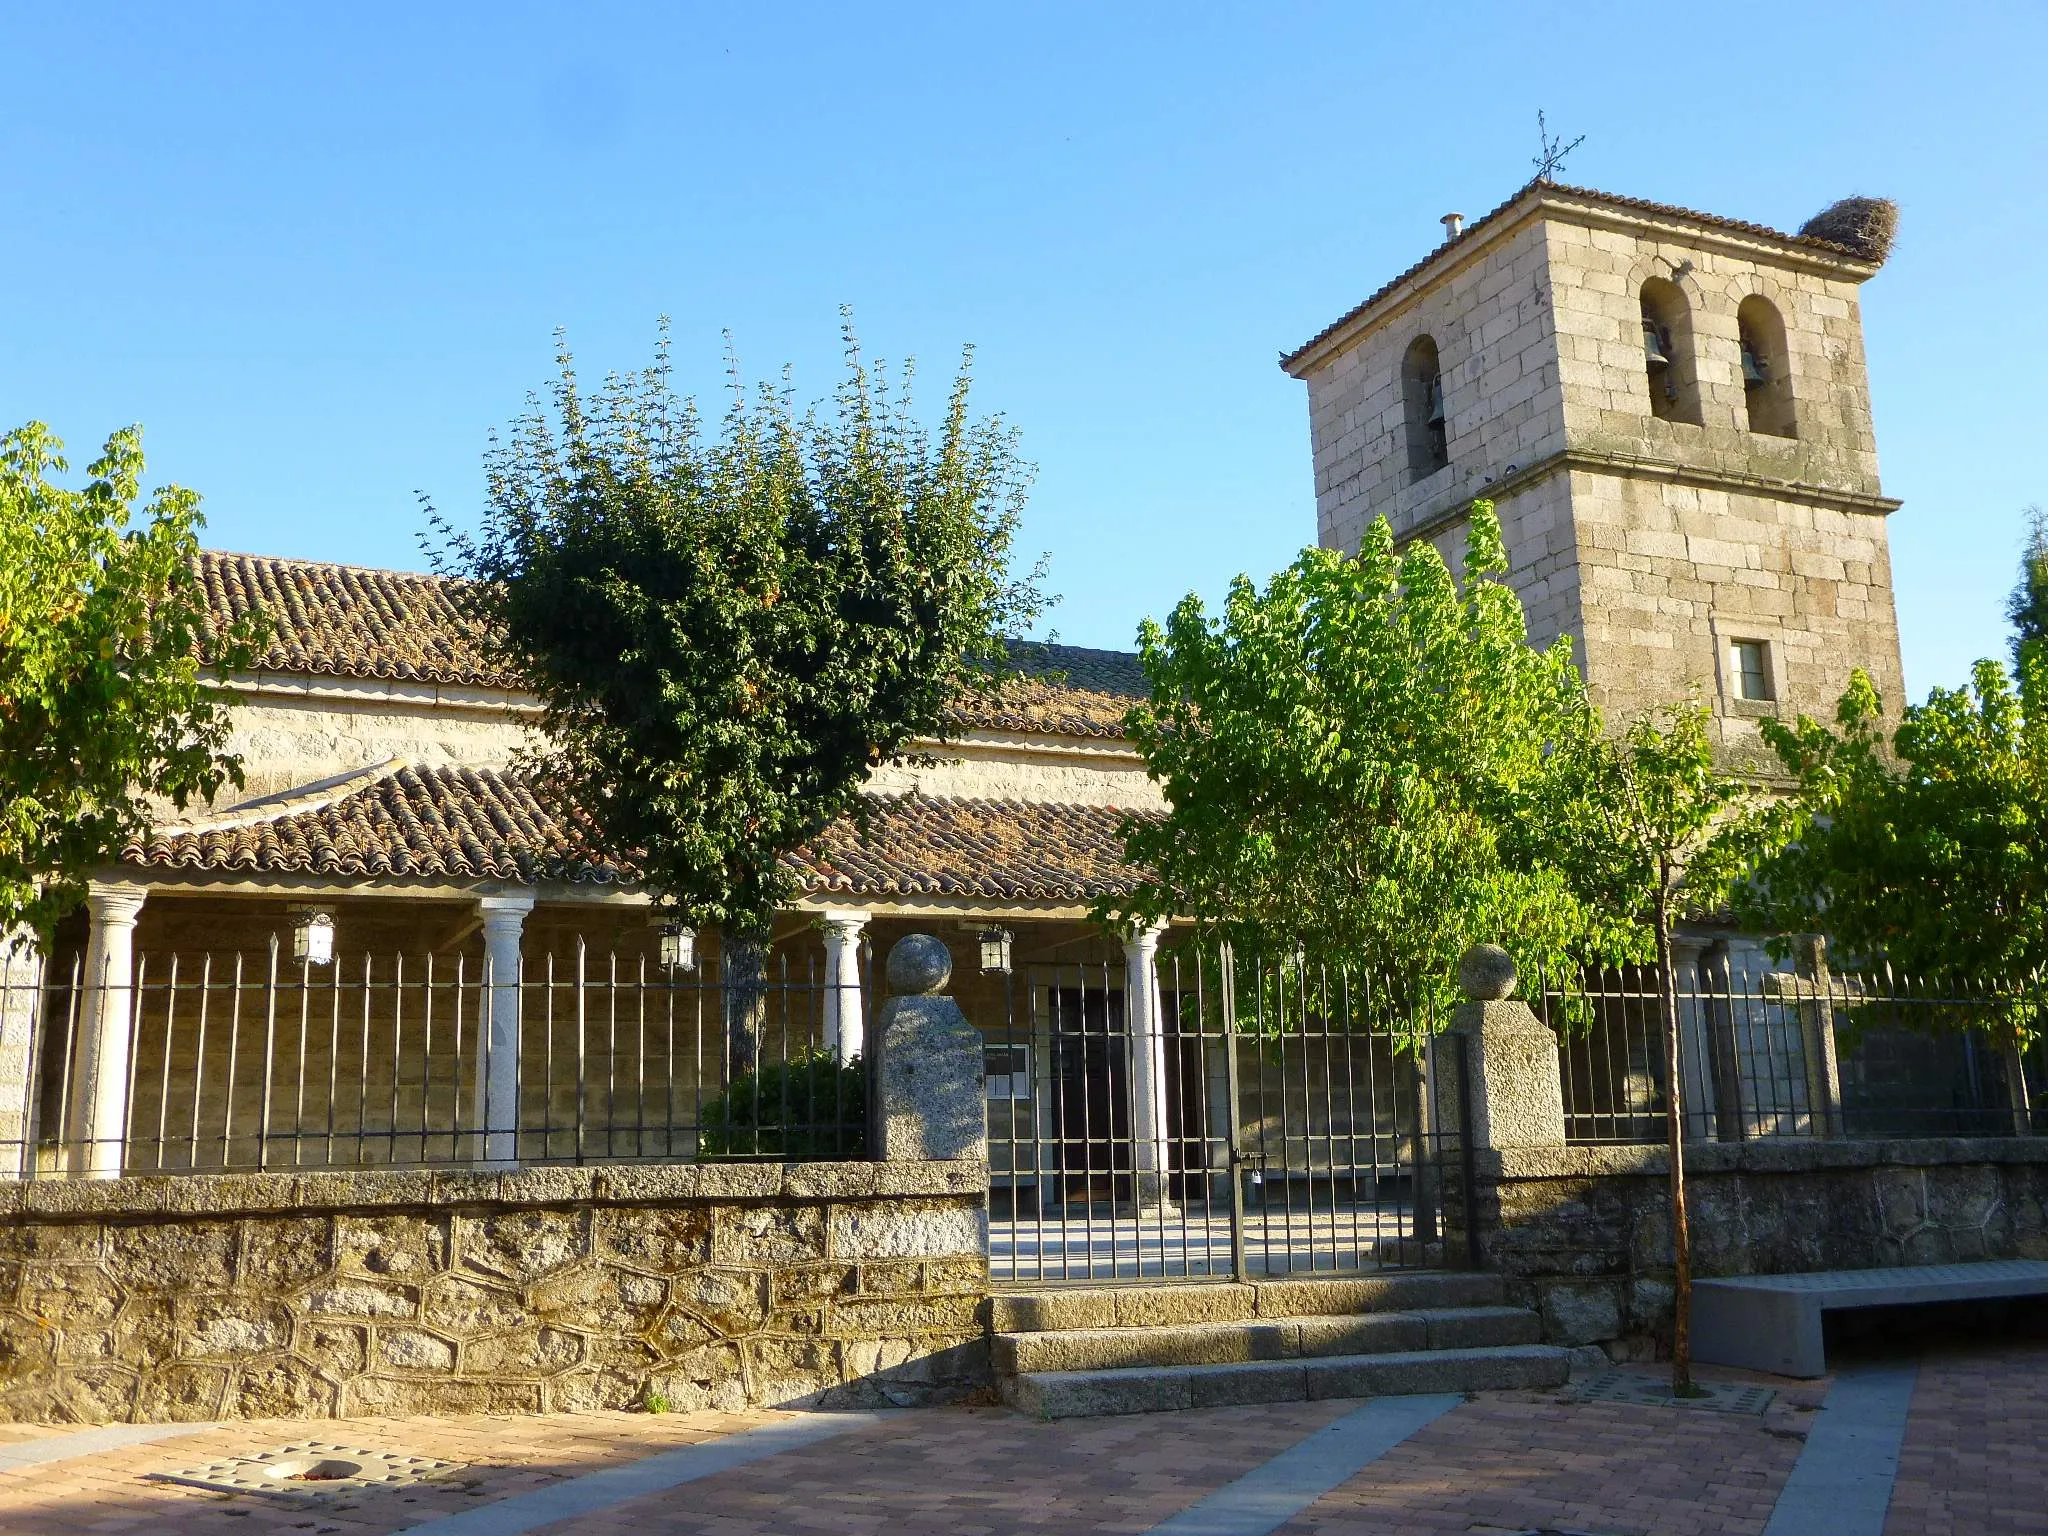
{"x": 807, "y": 1109}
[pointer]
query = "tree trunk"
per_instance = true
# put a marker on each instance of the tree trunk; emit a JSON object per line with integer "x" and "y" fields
{"x": 1674, "y": 1121}
{"x": 2016, "y": 1087}
{"x": 1426, "y": 1193}
{"x": 743, "y": 972}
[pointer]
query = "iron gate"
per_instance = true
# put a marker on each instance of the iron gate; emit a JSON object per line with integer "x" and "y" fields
{"x": 1240, "y": 1120}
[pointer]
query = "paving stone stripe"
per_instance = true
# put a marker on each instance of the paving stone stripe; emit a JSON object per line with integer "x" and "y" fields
{"x": 653, "y": 1474}
{"x": 1269, "y": 1496}
{"x": 1842, "y": 1483}
{"x": 90, "y": 1442}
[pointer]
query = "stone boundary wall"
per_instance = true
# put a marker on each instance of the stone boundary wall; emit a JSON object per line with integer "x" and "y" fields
{"x": 723, "y": 1286}
{"x": 1583, "y": 1233}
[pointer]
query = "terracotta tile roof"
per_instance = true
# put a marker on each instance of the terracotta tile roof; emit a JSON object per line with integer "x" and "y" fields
{"x": 1065, "y": 690}
{"x": 991, "y": 850}
{"x": 468, "y": 824}
{"x": 1611, "y": 199}
{"x": 351, "y": 621}
{"x": 433, "y": 823}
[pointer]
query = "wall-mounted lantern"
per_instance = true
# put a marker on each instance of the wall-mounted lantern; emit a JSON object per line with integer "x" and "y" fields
{"x": 678, "y": 947}
{"x": 313, "y": 937}
{"x": 995, "y": 951}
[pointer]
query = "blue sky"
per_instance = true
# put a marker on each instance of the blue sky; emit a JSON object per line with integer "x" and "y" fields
{"x": 319, "y": 254}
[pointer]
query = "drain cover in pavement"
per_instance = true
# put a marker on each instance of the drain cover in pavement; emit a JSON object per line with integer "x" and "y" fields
{"x": 1655, "y": 1392}
{"x": 309, "y": 1469}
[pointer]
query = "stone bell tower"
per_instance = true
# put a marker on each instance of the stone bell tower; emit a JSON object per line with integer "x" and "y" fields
{"x": 1671, "y": 412}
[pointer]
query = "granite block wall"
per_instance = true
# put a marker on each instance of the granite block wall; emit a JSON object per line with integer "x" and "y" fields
{"x": 1583, "y": 1233}
{"x": 335, "y": 1294}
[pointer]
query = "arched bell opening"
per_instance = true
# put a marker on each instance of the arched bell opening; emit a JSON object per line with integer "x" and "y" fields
{"x": 1422, "y": 389}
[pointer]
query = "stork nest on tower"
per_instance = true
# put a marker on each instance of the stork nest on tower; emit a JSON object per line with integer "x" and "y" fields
{"x": 1865, "y": 226}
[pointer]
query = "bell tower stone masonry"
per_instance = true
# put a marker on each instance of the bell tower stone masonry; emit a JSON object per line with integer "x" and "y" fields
{"x": 1671, "y": 413}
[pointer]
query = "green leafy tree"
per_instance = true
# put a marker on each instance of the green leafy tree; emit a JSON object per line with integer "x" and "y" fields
{"x": 1367, "y": 759}
{"x": 727, "y": 629}
{"x": 2027, "y": 608}
{"x": 1360, "y": 760}
{"x": 1926, "y": 851}
{"x": 106, "y": 645}
{"x": 1661, "y": 834}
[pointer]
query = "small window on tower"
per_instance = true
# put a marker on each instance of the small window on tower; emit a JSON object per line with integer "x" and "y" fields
{"x": 1750, "y": 664}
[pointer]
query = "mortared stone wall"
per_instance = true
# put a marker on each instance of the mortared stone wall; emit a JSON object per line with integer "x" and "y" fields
{"x": 204, "y": 1297}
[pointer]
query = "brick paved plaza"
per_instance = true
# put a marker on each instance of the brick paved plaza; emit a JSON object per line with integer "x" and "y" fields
{"x": 1974, "y": 1462}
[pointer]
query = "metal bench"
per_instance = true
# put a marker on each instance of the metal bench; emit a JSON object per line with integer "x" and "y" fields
{"x": 1773, "y": 1322}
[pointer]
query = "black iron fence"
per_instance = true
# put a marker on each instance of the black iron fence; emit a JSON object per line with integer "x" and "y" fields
{"x": 246, "y": 1061}
{"x": 1811, "y": 1053}
{"x": 1236, "y": 1117}
{"x": 1188, "y": 1114}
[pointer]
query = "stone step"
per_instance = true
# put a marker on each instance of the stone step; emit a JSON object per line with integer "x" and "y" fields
{"x": 1155, "y": 1306}
{"x": 1282, "y": 1338}
{"x": 1164, "y": 1388}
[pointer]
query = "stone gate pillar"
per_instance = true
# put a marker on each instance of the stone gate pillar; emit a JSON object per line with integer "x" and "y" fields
{"x": 1508, "y": 1057}
{"x": 926, "y": 1097}
{"x": 1497, "y": 1089}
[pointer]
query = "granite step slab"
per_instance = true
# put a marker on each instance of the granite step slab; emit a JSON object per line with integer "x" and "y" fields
{"x": 1230, "y": 1343}
{"x": 1155, "y": 1306}
{"x": 1167, "y": 1388}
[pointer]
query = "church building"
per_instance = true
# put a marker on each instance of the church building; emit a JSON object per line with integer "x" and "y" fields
{"x": 1670, "y": 410}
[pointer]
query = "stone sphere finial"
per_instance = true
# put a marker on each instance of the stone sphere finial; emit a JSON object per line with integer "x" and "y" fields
{"x": 1487, "y": 973}
{"x": 919, "y": 965}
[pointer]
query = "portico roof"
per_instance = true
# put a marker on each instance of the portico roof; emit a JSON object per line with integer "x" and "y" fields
{"x": 397, "y": 821}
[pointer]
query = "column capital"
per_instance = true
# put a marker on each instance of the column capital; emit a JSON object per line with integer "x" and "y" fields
{"x": 1687, "y": 949}
{"x": 504, "y": 908}
{"x": 1143, "y": 939}
{"x": 848, "y": 922}
{"x": 115, "y": 902}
